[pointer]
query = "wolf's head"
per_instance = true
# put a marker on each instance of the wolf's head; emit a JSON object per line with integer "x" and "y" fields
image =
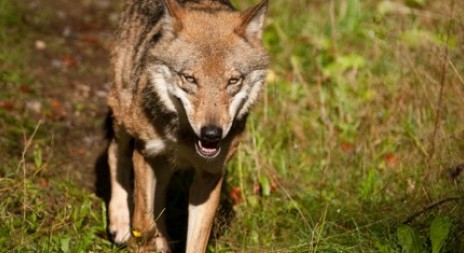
{"x": 209, "y": 65}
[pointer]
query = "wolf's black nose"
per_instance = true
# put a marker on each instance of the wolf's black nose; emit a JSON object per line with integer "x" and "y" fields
{"x": 211, "y": 133}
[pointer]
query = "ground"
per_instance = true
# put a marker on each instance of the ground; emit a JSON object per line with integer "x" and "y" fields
{"x": 357, "y": 144}
{"x": 54, "y": 79}
{"x": 62, "y": 81}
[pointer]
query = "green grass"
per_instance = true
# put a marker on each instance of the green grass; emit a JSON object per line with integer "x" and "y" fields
{"x": 359, "y": 130}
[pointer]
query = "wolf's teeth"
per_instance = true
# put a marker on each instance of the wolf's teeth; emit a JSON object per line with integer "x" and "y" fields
{"x": 208, "y": 150}
{"x": 203, "y": 148}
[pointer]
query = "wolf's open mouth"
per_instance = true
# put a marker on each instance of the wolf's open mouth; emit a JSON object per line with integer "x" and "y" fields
{"x": 207, "y": 149}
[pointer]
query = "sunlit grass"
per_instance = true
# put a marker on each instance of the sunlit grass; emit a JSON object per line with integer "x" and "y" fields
{"x": 348, "y": 129}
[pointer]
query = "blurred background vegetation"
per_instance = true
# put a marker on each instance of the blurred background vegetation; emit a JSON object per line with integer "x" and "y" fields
{"x": 357, "y": 144}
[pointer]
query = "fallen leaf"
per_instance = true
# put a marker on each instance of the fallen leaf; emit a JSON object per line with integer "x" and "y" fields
{"x": 69, "y": 61}
{"x": 390, "y": 158}
{"x": 57, "y": 110}
{"x": 274, "y": 184}
{"x": 25, "y": 89}
{"x": 257, "y": 189}
{"x": 76, "y": 152}
{"x": 43, "y": 182}
{"x": 91, "y": 39}
{"x": 56, "y": 105}
{"x": 346, "y": 147}
{"x": 236, "y": 196}
{"x": 7, "y": 105}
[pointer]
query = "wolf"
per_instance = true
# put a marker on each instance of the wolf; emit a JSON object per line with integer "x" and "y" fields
{"x": 185, "y": 76}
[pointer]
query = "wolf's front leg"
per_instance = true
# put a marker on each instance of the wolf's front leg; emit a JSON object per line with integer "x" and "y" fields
{"x": 120, "y": 163}
{"x": 203, "y": 203}
{"x": 145, "y": 234}
{"x": 163, "y": 174}
{"x": 143, "y": 223}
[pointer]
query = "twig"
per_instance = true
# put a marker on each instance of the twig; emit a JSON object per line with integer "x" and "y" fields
{"x": 23, "y": 165}
{"x": 461, "y": 79}
{"x": 333, "y": 28}
{"x": 431, "y": 206}
{"x": 442, "y": 85}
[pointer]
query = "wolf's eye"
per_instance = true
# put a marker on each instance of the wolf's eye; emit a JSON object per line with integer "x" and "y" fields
{"x": 189, "y": 79}
{"x": 234, "y": 81}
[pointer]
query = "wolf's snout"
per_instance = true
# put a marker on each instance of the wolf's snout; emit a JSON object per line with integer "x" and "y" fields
{"x": 211, "y": 133}
{"x": 207, "y": 145}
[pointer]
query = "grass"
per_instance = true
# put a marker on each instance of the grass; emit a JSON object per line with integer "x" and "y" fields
{"x": 356, "y": 146}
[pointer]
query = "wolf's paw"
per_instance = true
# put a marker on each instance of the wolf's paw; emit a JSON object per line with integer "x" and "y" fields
{"x": 119, "y": 230}
{"x": 147, "y": 249}
{"x": 162, "y": 245}
{"x": 119, "y": 227}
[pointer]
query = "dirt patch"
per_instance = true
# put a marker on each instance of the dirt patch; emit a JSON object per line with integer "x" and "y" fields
{"x": 67, "y": 60}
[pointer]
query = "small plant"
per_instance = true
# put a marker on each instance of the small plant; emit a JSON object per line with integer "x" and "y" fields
{"x": 438, "y": 234}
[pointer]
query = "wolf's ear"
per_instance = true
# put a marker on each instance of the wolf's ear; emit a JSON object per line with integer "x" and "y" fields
{"x": 173, "y": 15}
{"x": 252, "y": 23}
